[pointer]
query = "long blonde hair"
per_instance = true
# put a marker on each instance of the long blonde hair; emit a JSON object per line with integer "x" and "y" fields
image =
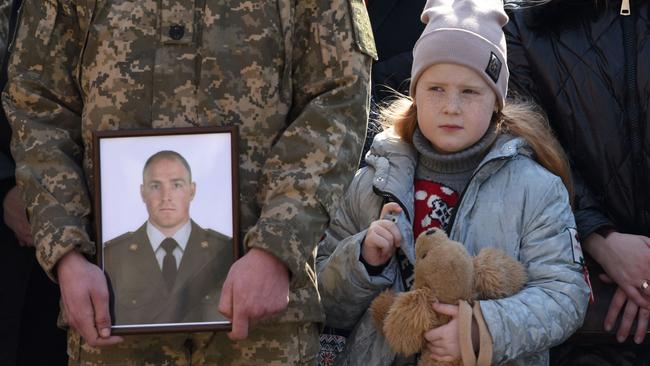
{"x": 519, "y": 118}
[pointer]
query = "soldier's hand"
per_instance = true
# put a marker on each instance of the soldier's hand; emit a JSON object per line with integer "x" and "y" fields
{"x": 382, "y": 238}
{"x": 256, "y": 288}
{"x": 85, "y": 298}
{"x": 16, "y": 218}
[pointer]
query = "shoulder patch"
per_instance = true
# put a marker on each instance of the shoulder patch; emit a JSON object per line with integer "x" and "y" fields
{"x": 576, "y": 248}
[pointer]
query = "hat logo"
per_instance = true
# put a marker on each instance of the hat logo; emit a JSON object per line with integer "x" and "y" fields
{"x": 494, "y": 67}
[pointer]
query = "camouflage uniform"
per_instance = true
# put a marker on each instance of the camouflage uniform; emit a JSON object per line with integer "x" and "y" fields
{"x": 292, "y": 75}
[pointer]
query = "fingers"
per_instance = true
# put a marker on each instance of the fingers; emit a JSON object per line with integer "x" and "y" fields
{"x": 83, "y": 320}
{"x": 641, "y": 325}
{"x": 102, "y": 317}
{"x": 433, "y": 336}
{"x": 85, "y": 298}
{"x": 386, "y": 234}
{"x": 446, "y": 309}
{"x": 438, "y": 346}
{"x": 240, "y": 324}
{"x": 381, "y": 241}
{"x": 635, "y": 294}
{"x": 390, "y": 207}
{"x": 629, "y": 314}
{"x": 615, "y": 306}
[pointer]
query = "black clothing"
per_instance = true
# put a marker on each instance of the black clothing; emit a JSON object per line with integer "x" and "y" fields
{"x": 396, "y": 27}
{"x": 592, "y": 76}
{"x": 587, "y": 65}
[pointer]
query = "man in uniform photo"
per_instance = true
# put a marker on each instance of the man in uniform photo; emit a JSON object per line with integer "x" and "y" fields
{"x": 170, "y": 270}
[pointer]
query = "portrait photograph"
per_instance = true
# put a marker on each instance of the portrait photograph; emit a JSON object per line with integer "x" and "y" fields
{"x": 167, "y": 207}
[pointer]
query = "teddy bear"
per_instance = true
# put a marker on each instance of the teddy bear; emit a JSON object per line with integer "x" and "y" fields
{"x": 444, "y": 272}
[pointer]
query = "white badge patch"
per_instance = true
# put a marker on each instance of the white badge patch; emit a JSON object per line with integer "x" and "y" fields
{"x": 576, "y": 248}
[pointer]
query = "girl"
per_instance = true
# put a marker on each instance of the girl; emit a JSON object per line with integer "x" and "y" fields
{"x": 490, "y": 174}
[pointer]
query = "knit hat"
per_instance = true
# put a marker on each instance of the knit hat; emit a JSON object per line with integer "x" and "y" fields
{"x": 464, "y": 32}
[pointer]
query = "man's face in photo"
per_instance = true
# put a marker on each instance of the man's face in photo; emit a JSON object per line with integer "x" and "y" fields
{"x": 167, "y": 192}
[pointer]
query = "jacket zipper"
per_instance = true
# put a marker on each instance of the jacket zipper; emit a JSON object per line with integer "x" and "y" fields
{"x": 389, "y": 197}
{"x": 632, "y": 112}
{"x": 625, "y": 8}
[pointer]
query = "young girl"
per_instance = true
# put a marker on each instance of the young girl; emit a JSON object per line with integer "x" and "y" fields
{"x": 489, "y": 173}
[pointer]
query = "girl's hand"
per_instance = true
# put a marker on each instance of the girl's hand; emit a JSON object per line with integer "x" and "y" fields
{"x": 383, "y": 237}
{"x": 443, "y": 342}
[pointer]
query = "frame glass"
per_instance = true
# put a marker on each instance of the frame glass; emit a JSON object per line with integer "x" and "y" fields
{"x": 166, "y": 207}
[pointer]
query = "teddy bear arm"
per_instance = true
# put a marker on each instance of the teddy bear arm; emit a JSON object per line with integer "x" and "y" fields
{"x": 497, "y": 275}
{"x": 408, "y": 319}
{"x": 380, "y": 306}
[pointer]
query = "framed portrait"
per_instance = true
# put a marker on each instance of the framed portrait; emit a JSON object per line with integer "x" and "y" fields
{"x": 166, "y": 214}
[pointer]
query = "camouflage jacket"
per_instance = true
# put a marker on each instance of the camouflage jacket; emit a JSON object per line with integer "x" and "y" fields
{"x": 292, "y": 75}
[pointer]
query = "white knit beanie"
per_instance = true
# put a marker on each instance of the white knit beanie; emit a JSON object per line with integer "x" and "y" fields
{"x": 468, "y": 33}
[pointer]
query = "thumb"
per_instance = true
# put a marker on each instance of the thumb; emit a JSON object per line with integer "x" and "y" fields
{"x": 390, "y": 207}
{"x": 445, "y": 309}
{"x": 99, "y": 301}
{"x": 239, "y": 327}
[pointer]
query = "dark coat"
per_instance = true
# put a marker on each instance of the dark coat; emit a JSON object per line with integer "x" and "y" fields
{"x": 139, "y": 293}
{"x": 396, "y": 26}
{"x": 591, "y": 75}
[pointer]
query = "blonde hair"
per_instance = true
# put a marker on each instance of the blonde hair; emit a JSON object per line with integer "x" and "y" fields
{"x": 519, "y": 118}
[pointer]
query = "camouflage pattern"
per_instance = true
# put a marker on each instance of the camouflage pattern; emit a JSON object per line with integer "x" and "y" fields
{"x": 283, "y": 344}
{"x": 292, "y": 75}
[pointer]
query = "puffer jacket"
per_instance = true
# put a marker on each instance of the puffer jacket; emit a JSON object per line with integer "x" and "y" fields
{"x": 511, "y": 203}
{"x": 587, "y": 65}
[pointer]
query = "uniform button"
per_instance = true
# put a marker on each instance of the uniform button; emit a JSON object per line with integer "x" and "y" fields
{"x": 176, "y": 32}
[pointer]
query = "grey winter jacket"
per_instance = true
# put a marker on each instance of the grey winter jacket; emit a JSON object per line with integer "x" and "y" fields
{"x": 511, "y": 202}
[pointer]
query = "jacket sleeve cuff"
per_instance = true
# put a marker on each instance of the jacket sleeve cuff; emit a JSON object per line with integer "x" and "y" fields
{"x": 371, "y": 269}
{"x": 57, "y": 237}
{"x": 590, "y": 220}
{"x": 283, "y": 243}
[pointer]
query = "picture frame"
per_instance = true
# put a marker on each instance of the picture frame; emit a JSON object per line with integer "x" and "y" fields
{"x": 166, "y": 207}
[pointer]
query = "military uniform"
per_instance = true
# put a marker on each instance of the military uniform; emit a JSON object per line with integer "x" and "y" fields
{"x": 293, "y": 76}
{"x": 140, "y": 295}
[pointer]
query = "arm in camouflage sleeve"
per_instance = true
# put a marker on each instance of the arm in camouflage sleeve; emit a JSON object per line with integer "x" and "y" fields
{"x": 313, "y": 161}
{"x": 43, "y": 105}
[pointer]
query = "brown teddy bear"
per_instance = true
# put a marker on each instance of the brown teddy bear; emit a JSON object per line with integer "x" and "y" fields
{"x": 446, "y": 273}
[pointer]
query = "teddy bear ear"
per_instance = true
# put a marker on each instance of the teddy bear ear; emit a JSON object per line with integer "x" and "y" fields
{"x": 430, "y": 231}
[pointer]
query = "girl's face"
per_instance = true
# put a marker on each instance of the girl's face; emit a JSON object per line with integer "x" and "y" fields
{"x": 454, "y": 106}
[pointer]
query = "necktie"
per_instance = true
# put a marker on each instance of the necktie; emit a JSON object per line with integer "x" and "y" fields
{"x": 169, "y": 262}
